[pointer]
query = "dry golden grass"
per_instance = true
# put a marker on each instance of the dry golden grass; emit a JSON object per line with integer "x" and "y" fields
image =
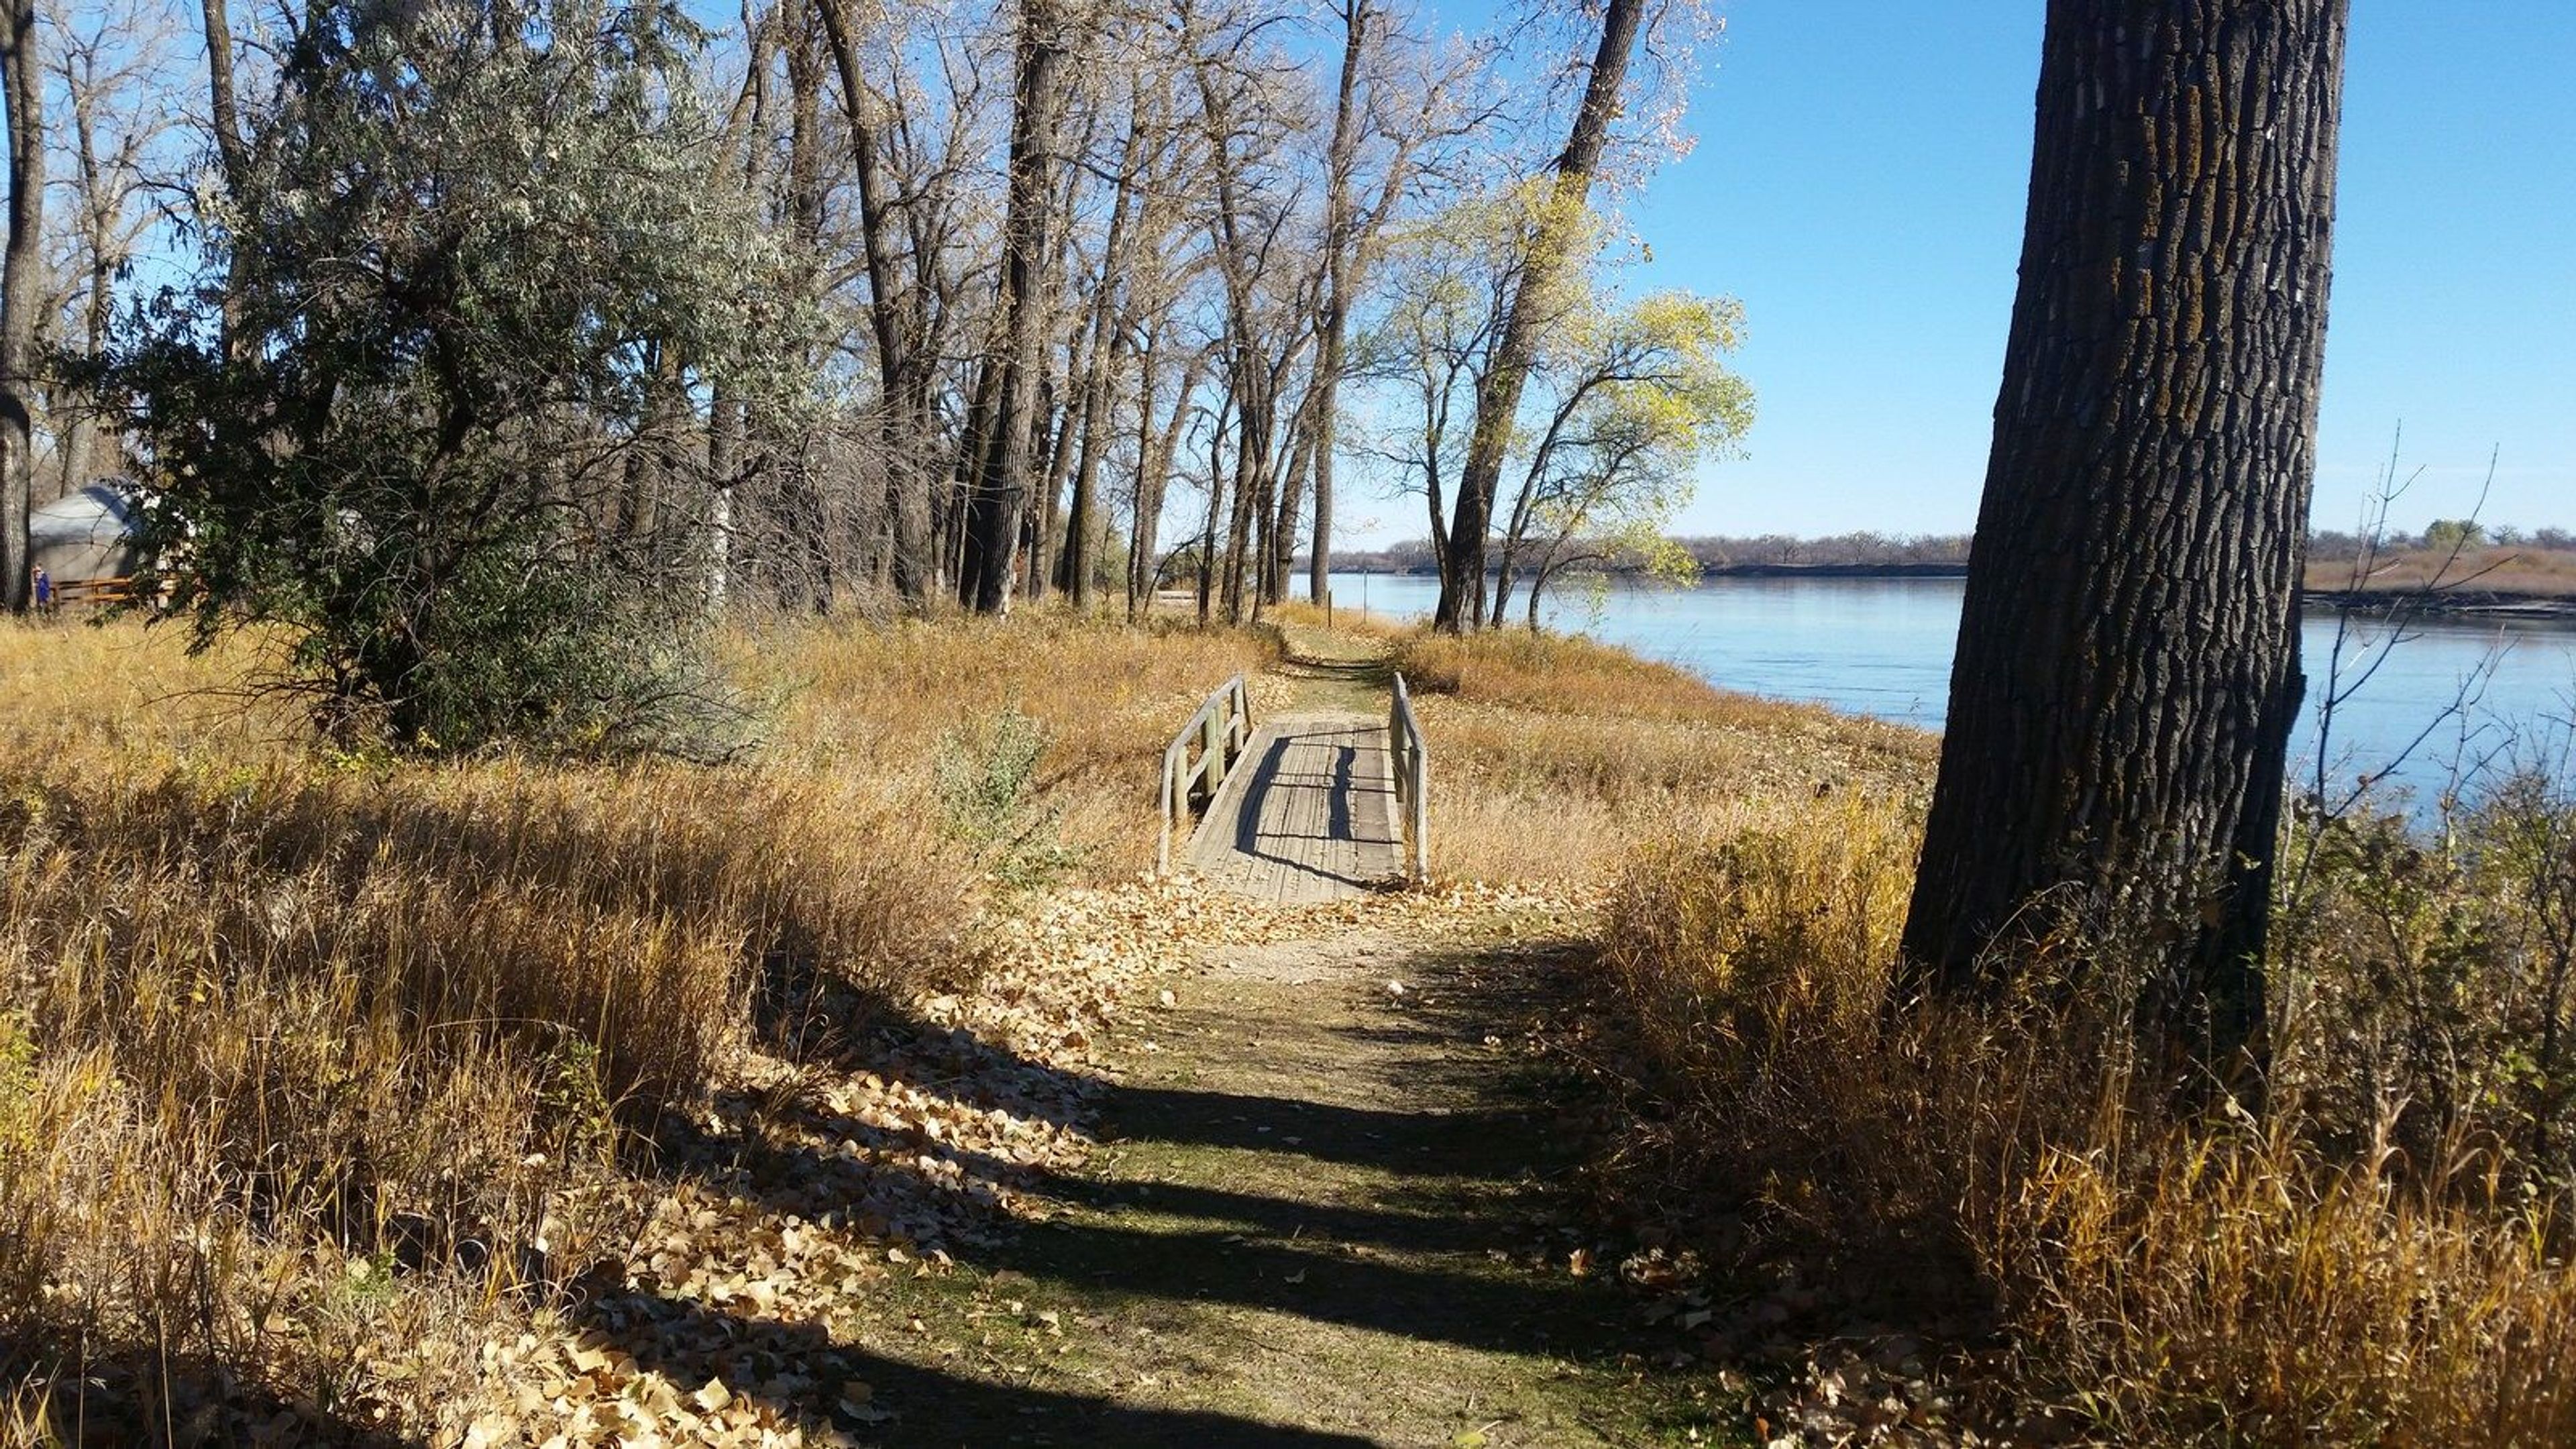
{"x": 2180, "y": 1284}
{"x": 2540, "y": 572}
{"x": 308, "y": 1065}
{"x": 1553, "y": 756}
{"x": 2243, "y": 1289}
{"x": 1345, "y": 619}
{"x": 875, "y": 700}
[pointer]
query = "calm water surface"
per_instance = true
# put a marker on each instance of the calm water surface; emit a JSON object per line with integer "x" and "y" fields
{"x": 1882, "y": 647}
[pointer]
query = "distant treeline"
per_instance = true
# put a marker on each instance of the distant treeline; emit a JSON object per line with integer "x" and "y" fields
{"x": 1725, "y": 554}
{"x": 2331, "y": 546}
{"x": 1909, "y": 553}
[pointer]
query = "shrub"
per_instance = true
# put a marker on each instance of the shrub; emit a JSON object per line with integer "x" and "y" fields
{"x": 2381, "y": 1259}
{"x": 456, "y": 477}
{"x": 986, "y": 791}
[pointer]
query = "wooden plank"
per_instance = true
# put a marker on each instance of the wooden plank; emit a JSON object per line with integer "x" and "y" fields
{"x": 1312, "y": 877}
{"x": 1308, "y": 815}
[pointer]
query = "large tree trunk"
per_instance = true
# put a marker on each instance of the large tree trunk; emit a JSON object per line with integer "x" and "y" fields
{"x": 1328, "y": 381}
{"x": 1154, "y": 472}
{"x": 2128, "y": 669}
{"x": 1216, "y": 504}
{"x": 1001, "y": 490}
{"x": 1294, "y": 474}
{"x": 20, "y": 270}
{"x": 897, "y": 319}
{"x": 224, "y": 117}
{"x": 1082, "y": 520}
{"x": 1498, "y": 394}
{"x": 724, "y": 468}
{"x": 1144, "y": 514}
{"x": 1333, "y": 321}
{"x": 1251, "y": 474}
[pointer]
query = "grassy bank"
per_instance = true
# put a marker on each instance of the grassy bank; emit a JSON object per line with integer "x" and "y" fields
{"x": 2507, "y": 571}
{"x": 1560, "y": 755}
{"x": 2380, "y": 1259}
{"x": 331, "y": 1090}
{"x": 317, "y": 1073}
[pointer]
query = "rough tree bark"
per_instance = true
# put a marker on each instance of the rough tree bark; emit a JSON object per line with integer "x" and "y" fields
{"x": 20, "y": 271}
{"x": 898, "y": 320}
{"x": 1000, "y": 492}
{"x": 1498, "y": 395}
{"x": 2128, "y": 666}
{"x": 1333, "y": 325}
{"x": 1154, "y": 474}
{"x": 1145, "y": 508}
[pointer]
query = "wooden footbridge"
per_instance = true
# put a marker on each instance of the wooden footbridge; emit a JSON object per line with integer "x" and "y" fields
{"x": 1307, "y": 806}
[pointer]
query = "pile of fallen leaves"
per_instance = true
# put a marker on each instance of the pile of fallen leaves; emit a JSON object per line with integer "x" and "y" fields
{"x": 1807, "y": 1357}
{"x": 753, "y": 1274}
{"x": 754, "y": 1294}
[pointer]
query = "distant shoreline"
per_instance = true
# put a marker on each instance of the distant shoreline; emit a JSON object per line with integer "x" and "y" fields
{"x": 2452, "y": 603}
{"x": 1729, "y": 571}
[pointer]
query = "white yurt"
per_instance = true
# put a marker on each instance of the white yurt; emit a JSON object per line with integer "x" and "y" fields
{"x": 84, "y": 535}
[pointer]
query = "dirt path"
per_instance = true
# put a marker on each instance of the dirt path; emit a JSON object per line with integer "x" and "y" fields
{"x": 1323, "y": 1204}
{"x": 1324, "y": 1213}
{"x": 1327, "y": 1210}
{"x": 1335, "y": 673}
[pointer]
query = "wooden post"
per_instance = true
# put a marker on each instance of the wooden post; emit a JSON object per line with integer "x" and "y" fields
{"x": 1163, "y": 854}
{"x": 1412, "y": 768}
{"x": 1421, "y": 818}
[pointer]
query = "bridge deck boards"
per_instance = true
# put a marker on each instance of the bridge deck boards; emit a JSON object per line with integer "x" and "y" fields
{"x": 1308, "y": 814}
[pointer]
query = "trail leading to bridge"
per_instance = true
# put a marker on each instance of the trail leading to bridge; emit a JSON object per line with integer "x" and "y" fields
{"x": 1309, "y": 813}
{"x": 1324, "y": 1213}
{"x": 1325, "y": 1201}
{"x": 1329, "y": 1209}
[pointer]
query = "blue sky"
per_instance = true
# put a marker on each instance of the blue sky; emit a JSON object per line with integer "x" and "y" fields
{"x": 1859, "y": 183}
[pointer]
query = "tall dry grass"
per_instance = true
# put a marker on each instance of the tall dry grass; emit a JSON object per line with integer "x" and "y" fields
{"x": 310, "y": 1065}
{"x": 2225, "y": 1282}
{"x": 1609, "y": 750}
{"x": 2498, "y": 568}
{"x": 875, "y": 700}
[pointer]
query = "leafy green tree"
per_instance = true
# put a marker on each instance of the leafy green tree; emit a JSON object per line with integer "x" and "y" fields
{"x": 1639, "y": 398}
{"x": 2454, "y": 534}
{"x": 1551, "y": 253}
{"x": 430, "y": 414}
{"x": 1618, "y": 407}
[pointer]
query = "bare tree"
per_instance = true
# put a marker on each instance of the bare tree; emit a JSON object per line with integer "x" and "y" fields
{"x": 1406, "y": 111}
{"x": 103, "y": 65}
{"x": 1002, "y": 476}
{"x": 22, "y": 87}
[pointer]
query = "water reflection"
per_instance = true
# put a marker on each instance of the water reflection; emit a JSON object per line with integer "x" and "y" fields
{"x": 1882, "y": 647}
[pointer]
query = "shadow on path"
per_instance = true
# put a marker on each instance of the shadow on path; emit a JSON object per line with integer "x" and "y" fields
{"x": 1322, "y": 1213}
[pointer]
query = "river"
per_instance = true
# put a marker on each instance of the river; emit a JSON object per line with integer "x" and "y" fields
{"x": 1882, "y": 647}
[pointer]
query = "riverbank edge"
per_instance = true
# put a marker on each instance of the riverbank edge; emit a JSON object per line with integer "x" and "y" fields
{"x": 2449, "y": 603}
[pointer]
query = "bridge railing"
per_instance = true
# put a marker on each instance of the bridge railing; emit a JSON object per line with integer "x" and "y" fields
{"x": 99, "y": 592}
{"x": 1217, "y": 734}
{"x": 1412, "y": 763}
